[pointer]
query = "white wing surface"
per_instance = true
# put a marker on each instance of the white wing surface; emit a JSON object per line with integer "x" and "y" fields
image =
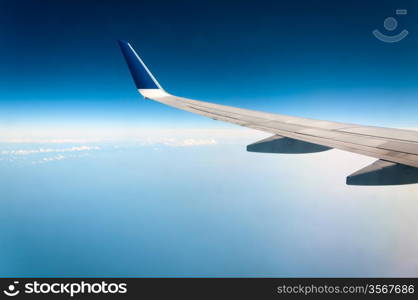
{"x": 396, "y": 149}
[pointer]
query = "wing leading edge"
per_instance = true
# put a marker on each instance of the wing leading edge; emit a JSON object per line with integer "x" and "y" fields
{"x": 299, "y": 135}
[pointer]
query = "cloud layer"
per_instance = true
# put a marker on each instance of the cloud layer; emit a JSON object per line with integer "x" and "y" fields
{"x": 48, "y": 150}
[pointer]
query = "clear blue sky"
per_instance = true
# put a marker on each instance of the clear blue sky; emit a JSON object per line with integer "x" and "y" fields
{"x": 61, "y": 64}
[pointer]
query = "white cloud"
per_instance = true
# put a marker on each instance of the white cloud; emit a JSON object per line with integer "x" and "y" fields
{"x": 54, "y": 158}
{"x": 61, "y": 135}
{"x": 175, "y": 142}
{"x": 57, "y": 157}
{"x": 48, "y": 150}
{"x": 195, "y": 142}
{"x": 41, "y": 140}
{"x": 131, "y": 138}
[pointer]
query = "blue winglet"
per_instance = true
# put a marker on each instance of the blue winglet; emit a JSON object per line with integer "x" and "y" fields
{"x": 142, "y": 76}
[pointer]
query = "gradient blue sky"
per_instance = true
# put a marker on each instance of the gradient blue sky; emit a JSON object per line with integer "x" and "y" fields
{"x": 97, "y": 182}
{"x": 61, "y": 64}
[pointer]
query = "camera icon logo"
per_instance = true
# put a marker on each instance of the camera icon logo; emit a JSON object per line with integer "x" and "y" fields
{"x": 11, "y": 289}
{"x": 390, "y": 24}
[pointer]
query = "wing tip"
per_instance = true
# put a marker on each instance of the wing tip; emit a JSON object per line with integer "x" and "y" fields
{"x": 140, "y": 73}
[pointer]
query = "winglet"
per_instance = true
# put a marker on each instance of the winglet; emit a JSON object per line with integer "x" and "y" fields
{"x": 141, "y": 75}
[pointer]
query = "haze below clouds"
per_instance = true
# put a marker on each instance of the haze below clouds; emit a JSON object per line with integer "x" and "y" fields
{"x": 195, "y": 203}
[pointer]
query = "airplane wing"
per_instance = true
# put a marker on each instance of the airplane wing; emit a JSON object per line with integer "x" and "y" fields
{"x": 395, "y": 149}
